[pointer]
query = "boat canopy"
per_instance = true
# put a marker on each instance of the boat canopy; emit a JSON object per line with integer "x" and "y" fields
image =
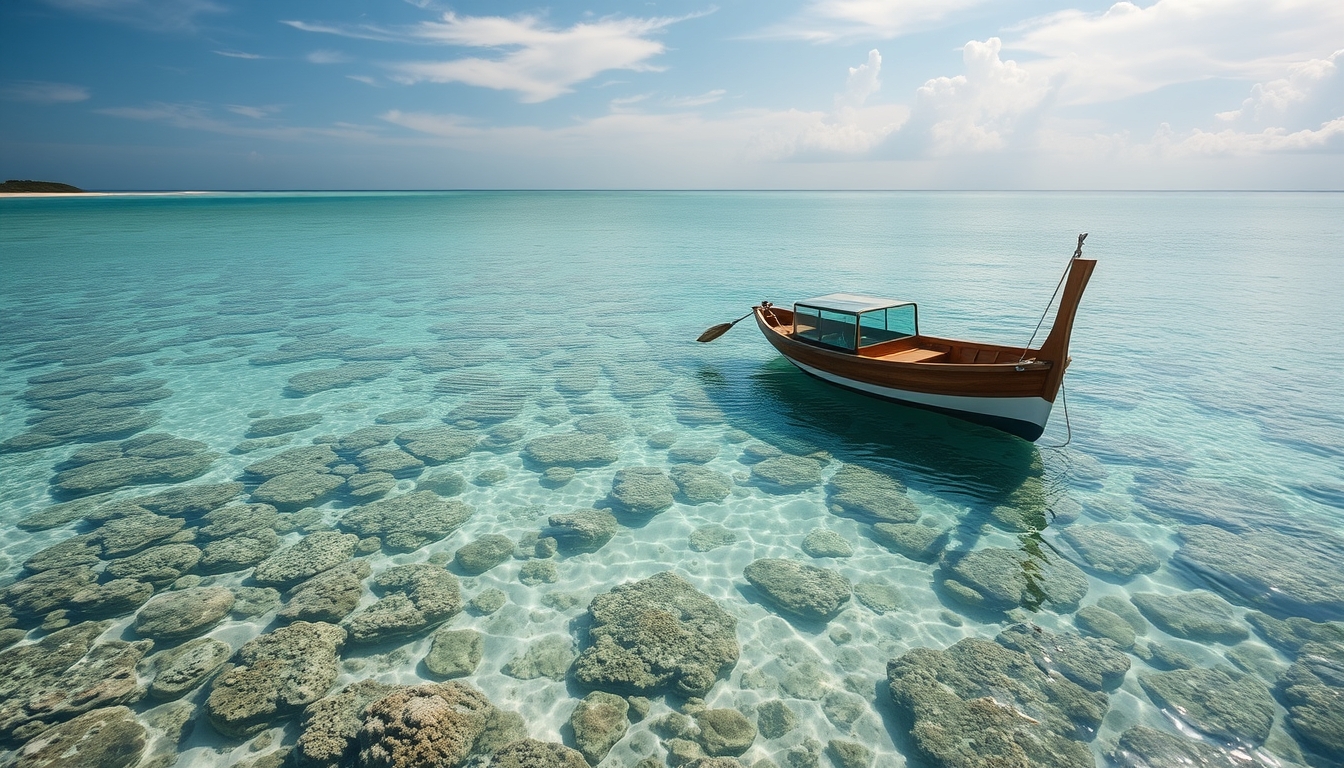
{"x": 849, "y": 321}
{"x": 851, "y": 303}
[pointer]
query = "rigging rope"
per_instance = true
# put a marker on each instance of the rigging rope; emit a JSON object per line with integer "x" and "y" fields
{"x": 1077, "y": 253}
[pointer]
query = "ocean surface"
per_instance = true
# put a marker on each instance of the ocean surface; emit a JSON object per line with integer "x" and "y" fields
{"x": 1205, "y": 400}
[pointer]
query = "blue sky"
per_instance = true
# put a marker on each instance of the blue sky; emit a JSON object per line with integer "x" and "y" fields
{"x": 854, "y": 94}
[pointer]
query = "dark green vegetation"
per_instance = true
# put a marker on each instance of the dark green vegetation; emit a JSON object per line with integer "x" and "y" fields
{"x": 28, "y": 185}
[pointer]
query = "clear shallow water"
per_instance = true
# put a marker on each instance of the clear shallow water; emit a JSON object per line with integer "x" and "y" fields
{"x": 1203, "y": 350}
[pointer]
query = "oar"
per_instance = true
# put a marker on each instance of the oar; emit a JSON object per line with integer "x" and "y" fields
{"x": 721, "y": 328}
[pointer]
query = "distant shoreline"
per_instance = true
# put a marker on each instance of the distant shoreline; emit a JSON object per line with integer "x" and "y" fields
{"x": 34, "y": 186}
{"x": 104, "y": 194}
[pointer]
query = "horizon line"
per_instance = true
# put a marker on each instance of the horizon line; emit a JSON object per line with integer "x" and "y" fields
{"x": 640, "y": 189}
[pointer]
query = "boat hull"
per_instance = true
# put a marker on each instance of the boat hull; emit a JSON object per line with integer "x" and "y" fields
{"x": 1011, "y": 389}
{"x": 1024, "y": 417}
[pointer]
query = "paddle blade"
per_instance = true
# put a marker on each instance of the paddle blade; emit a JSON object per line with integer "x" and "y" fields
{"x": 714, "y": 333}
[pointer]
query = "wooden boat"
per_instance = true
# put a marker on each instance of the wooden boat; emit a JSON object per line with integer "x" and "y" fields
{"x": 873, "y": 346}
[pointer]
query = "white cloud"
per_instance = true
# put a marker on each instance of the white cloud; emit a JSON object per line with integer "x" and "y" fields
{"x": 239, "y": 55}
{"x": 256, "y": 113}
{"x": 1330, "y": 136}
{"x": 1277, "y": 96}
{"x": 448, "y": 126}
{"x": 832, "y": 20}
{"x": 157, "y": 15}
{"x": 623, "y": 104}
{"x": 708, "y": 97}
{"x": 535, "y": 59}
{"x": 749, "y": 136}
{"x": 326, "y": 57}
{"x": 851, "y": 129}
{"x": 199, "y": 118}
{"x": 1129, "y": 50}
{"x": 42, "y": 92}
{"x": 980, "y": 110}
{"x": 365, "y": 79}
{"x": 358, "y": 32}
{"x": 864, "y": 80}
{"x": 998, "y": 104}
{"x": 542, "y": 62}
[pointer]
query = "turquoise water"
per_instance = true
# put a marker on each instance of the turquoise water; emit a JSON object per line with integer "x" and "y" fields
{"x": 1205, "y": 388}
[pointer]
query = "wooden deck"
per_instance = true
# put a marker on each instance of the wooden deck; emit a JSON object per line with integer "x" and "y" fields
{"x": 916, "y": 355}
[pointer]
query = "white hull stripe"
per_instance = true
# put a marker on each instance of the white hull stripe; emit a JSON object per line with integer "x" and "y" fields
{"x": 1033, "y": 410}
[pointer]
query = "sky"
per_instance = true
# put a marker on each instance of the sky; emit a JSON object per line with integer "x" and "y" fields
{"x": 673, "y": 94}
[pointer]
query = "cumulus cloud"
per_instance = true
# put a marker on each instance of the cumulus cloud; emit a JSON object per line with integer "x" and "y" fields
{"x": 42, "y": 92}
{"x": 1129, "y": 50}
{"x": 864, "y": 80}
{"x": 827, "y": 21}
{"x": 156, "y": 15}
{"x": 997, "y": 104}
{"x": 1329, "y": 137}
{"x": 852, "y": 128}
{"x": 979, "y": 110}
{"x": 1278, "y": 96}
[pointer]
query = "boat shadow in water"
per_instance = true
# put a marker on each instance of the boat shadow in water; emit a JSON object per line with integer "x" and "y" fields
{"x": 781, "y": 405}
{"x": 982, "y": 470}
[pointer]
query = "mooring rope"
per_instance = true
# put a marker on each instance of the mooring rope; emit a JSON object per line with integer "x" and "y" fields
{"x": 1063, "y": 396}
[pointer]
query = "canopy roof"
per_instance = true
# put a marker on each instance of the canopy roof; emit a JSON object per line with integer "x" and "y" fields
{"x": 852, "y": 303}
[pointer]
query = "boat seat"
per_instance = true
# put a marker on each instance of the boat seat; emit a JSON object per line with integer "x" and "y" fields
{"x": 916, "y": 355}
{"x": 838, "y": 340}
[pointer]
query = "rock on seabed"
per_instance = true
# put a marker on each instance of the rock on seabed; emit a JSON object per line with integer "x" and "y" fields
{"x": 1299, "y": 575}
{"x": 1196, "y": 615}
{"x": 657, "y": 635}
{"x": 643, "y": 490}
{"x": 584, "y": 530}
{"x": 313, "y": 554}
{"x": 787, "y": 474}
{"x": 1001, "y": 579}
{"x": 577, "y": 449}
{"x": 1110, "y": 552}
{"x": 701, "y": 485}
{"x": 183, "y": 613}
{"x": 179, "y": 670}
{"x": 598, "y": 722}
{"x": 407, "y": 522}
{"x": 424, "y": 725}
{"x": 871, "y": 496}
{"x": 276, "y": 675}
{"x": 483, "y": 553}
{"x": 979, "y": 704}
{"x": 416, "y": 597}
{"x": 100, "y": 738}
{"x": 1223, "y": 703}
{"x": 799, "y": 589}
{"x": 65, "y": 674}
